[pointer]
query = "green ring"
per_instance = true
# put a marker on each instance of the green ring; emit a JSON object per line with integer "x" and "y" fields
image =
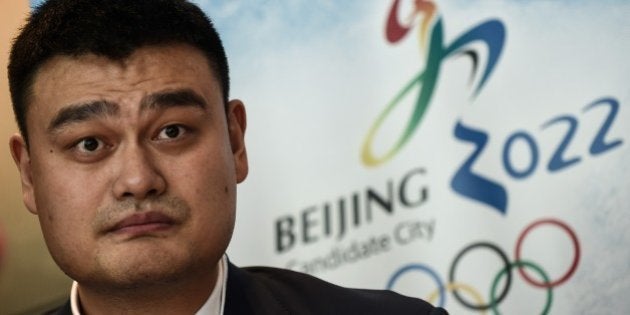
{"x": 520, "y": 263}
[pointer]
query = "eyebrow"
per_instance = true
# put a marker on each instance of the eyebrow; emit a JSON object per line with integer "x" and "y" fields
{"x": 101, "y": 108}
{"x": 81, "y": 112}
{"x": 174, "y": 98}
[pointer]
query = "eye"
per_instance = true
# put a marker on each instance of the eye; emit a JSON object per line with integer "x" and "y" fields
{"x": 89, "y": 145}
{"x": 171, "y": 132}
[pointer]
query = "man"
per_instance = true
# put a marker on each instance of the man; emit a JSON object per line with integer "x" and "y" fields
{"x": 129, "y": 153}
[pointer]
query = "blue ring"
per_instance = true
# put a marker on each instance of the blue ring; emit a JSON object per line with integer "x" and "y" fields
{"x": 424, "y": 268}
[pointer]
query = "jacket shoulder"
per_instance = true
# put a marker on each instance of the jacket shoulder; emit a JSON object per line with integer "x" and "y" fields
{"x": 302, "y": 294}
{"x": 64, "y": 309}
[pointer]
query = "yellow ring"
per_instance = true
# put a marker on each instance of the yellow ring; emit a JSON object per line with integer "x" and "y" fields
{"x": 454, "y": 286}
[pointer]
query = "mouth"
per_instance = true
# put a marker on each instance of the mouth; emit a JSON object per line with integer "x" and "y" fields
{"x": 143, "y": 223}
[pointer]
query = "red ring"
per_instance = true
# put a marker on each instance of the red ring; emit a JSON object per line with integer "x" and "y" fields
{"x": 576, "y": 254}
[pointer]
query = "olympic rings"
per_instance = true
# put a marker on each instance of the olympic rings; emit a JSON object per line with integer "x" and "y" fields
{"x": 420, "y": 267}
{"x": 576, "y": 253}
{"x": 454, "y": 286}
{"x": 520, "y": 264}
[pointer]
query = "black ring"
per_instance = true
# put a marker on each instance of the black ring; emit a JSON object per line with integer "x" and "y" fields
{"x": 451, "y": 275}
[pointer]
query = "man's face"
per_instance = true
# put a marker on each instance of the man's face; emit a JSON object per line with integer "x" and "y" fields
{"x": 132, "y": 166}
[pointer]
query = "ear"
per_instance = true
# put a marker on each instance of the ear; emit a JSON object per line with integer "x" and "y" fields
{"x": 237, "y": 122}
{"x": 20, "y": 153}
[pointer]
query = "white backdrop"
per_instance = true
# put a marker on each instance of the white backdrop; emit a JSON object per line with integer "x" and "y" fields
{"x": 536, "y": 152}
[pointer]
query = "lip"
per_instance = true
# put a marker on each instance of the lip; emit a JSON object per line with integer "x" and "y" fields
{"x": 143, "y": 223}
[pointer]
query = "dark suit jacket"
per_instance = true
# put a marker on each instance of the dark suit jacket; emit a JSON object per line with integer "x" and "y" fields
{"x": 264, "y": 290}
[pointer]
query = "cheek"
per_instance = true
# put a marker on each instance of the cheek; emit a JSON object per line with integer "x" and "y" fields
{"x": 209, "y": 192}
{"x": 65, "y": 220}
{"x": 206, "y": 173}
{"x": 208, "y": 185}
{"x": 65, "y": 193}
{"x": 66, "y": 201}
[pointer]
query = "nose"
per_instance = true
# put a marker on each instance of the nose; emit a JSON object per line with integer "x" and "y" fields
{"x": 138, "y": 175}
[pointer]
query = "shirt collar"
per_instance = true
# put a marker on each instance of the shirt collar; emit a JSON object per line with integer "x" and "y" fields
{"x": 215, "y": 304}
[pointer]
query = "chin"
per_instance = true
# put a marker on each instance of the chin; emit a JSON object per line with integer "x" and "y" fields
{"x": 135, "y": 270}
{"x": 146, "y": 278}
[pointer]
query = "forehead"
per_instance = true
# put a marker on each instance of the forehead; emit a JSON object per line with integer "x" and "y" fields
{"x": 64, "y": 80}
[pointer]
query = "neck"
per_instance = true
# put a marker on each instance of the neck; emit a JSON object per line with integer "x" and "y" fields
{"x": 183, "y": 296}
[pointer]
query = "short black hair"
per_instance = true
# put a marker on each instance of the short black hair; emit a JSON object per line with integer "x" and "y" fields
{"x": 113, "y": 29}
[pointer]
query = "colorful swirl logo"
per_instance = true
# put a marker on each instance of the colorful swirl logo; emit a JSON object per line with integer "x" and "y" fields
{"x": 495, "y": 298}
{"x": 491, "y": 32}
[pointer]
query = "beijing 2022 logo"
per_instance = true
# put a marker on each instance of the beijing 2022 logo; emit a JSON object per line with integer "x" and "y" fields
{"x": 492, "y": 33}
{"x": 465, "y": 181}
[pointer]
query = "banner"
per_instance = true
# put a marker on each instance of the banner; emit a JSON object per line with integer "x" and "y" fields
{"x": 468, "y": 153}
